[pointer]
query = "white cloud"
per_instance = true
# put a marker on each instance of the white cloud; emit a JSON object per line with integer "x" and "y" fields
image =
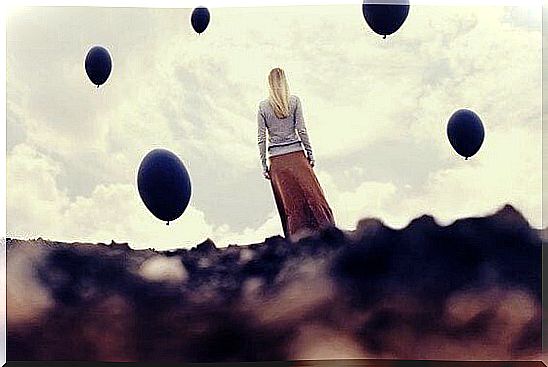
{"x": 33, "y": 200}
{"x": 506, "y": 170}
{"x": 38, "y": 208}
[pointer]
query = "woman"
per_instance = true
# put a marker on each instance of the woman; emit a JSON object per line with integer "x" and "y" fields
{"x": 297, "y": 192}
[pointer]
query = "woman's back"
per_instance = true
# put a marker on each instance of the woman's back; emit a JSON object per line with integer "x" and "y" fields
{"x": 285, "y": 135}
{"x": 280, "y": 131}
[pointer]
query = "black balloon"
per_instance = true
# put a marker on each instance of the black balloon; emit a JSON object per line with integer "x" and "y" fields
{"x": 164, "y": 184}
{"x": 385, "y": 18}
{"x": 98, "y": 65}
{"x": 465, "y": 132}
{"x": 200, "y": 19}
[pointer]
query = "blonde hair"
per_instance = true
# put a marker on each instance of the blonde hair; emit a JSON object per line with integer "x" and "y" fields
{"x": 279, "y": 93}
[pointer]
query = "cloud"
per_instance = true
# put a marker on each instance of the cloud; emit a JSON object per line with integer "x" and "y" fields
{"x": 33, "y": 200}
{"x": 504, "y": 171}
{"x": 111, "y": 212}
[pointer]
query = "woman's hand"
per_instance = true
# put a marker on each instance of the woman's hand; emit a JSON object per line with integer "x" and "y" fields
{"x": 266, "y": 175}
{"x": 311, "y": 161}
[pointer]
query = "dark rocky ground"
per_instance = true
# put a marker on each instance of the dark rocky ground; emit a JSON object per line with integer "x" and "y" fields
{"x": 470, "y": 290}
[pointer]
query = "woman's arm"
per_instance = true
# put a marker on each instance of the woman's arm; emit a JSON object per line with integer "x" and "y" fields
{"x": 262, "y": 139}
{"x": 301, "y": 130}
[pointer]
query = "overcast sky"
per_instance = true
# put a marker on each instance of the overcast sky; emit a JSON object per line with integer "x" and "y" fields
{"x": 376, "y": 112}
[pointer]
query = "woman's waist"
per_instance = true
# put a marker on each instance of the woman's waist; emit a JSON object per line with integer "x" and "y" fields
{"x": 284, "y": 149}
{"x": 279, "y": 144}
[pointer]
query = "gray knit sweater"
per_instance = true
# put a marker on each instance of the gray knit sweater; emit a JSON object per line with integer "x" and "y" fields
{"x": 283, "y": 134}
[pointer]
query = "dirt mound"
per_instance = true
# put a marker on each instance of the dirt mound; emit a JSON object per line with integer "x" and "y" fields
{"x": 468, "y": 290}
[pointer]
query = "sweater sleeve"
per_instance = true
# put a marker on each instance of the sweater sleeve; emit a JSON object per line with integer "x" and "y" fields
{"x": 301, "y": 130}
{"x": 262, "y": 139}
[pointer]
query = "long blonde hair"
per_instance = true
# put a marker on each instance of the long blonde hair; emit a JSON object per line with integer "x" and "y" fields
{"x": 279, "y": 93}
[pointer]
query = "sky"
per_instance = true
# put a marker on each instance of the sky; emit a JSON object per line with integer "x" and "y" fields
{"x": 376, "y": 112}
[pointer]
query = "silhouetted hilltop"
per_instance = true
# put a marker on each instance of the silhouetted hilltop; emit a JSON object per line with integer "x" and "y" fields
{"x": 468, "y": 290}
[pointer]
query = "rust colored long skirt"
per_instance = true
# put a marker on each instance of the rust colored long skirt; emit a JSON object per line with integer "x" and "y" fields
{"x": 299, "y": 197}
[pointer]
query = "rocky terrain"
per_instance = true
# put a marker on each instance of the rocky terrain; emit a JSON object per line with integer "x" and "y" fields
{"x": 470, "y": 290}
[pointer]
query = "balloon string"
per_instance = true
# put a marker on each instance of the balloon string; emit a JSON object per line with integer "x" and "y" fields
{"x": 466, "y": 158}
{"x": 97, "y": 86}
{"x": 167, "y": 224}
{"x": 384, "y": 37}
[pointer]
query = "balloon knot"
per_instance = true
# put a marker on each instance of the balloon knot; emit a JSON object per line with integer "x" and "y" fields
{"x": 167, "y": 223}
{"x": 97, "y": 86}
{"x": 384, "y": 37}
{"x": 465, "y": 158}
